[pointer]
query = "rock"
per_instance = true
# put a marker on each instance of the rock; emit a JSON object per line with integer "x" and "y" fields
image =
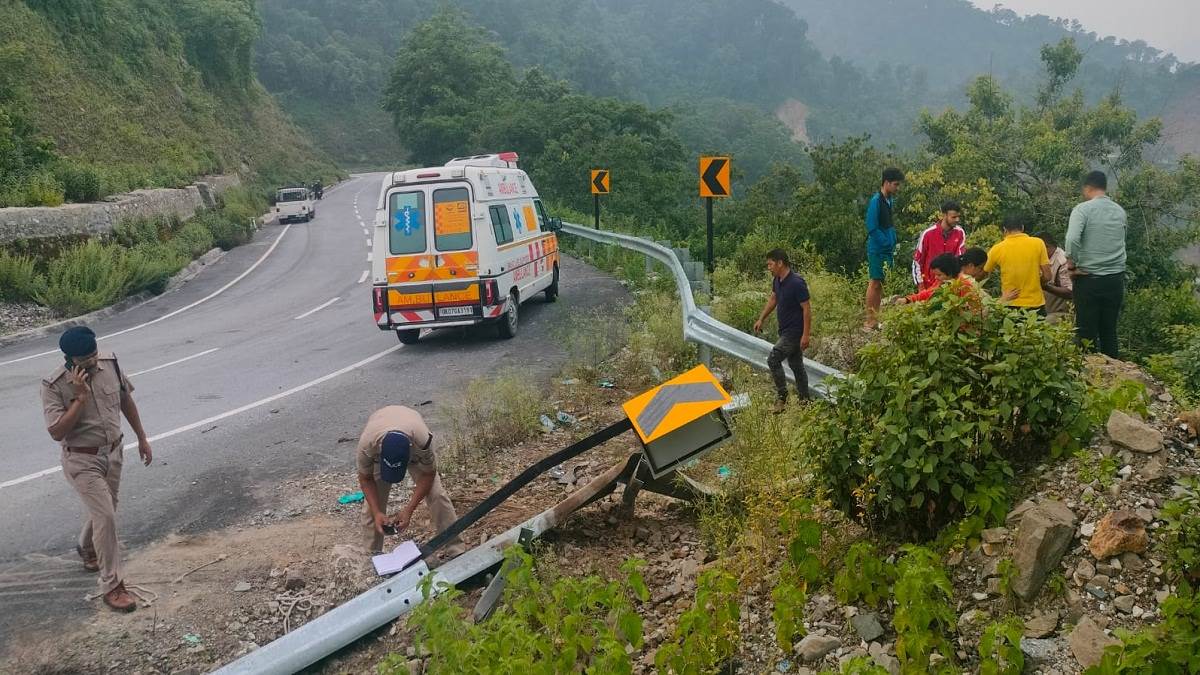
{"x": 1088, "y": 642}
{"x": 979, "y": 597}
{"x": 294, "y": 580}
{"x": 815, "y": 647}
{"x": 1040, "y": 626}
{"x": 242, "y": 587}
{"x": 995, "y": 535}
{"x": 993, "y": 586}
{"x": 1166, "y": 397}
{"x": 1087, "y": 529}
{"x": 883, "y": 659}
{"x": 1046, "y": 531}
{"x": 1084, "y": 572}
{"x": 1096, "y": 592}
{"x": 1124, "y": 603}
{"x": 867, "y": 626}
{"x": 1038, "y": 651}
{"x": 642, "y": 534}
{"x": 1161, "y": 596}
{"x": 1145, "y": 514}
{"x": 1153, "y": 469}
{"x": 1014, "y": 517}
{"x": 1130, "y": 432}
{"x": 1119, "y": 532}
{"x": 972, "y": 616}
{"x": 1125, "y": 471}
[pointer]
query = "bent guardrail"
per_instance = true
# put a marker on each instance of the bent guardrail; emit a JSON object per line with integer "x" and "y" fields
{"x": 699, "y": 326}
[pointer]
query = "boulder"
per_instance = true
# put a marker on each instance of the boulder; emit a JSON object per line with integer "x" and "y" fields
{"x": 867, "y": 626}
{"x": 1130, "y": 432}
{"x": 815, "y": 647}
{"x": 1045, "y": 533}
{"x": 1040, "y": 626}
{"x": 1088, "y": 642}
{"x": 1119, "y": 532}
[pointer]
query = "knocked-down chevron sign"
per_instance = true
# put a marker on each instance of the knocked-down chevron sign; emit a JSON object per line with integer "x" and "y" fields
{"x": 675, "y": 403}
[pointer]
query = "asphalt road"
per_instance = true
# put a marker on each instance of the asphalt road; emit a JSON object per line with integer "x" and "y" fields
{"x": 265, "y": 360}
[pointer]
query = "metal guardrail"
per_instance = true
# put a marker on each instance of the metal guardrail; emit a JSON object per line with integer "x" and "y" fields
{"x": 699, "y": 326}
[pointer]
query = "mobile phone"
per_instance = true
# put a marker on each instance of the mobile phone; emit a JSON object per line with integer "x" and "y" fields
{"x": 70, "y": 365}
{"x": 389, "y": 529}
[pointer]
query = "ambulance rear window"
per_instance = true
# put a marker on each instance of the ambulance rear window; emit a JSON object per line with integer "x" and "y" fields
{"x": 406, "y": 233}
{"x": 452, "y": 219}
{"x": 501, "y": 225}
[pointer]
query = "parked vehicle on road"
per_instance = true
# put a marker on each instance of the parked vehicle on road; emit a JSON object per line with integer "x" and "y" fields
{"x": 461, "y": 244}
{"x": 294, "y": 204}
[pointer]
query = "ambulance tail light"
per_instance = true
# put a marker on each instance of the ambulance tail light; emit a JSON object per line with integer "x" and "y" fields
{"x": 380, "y": 299}
{"x": 490, "y": 293}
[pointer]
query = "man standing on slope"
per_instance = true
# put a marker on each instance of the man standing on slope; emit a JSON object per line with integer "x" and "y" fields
{"x": 944, "y": 236}
{"x": 1096, "y": 246}
{"x": 789, "y": 296}
{"x": 881, "y": 241}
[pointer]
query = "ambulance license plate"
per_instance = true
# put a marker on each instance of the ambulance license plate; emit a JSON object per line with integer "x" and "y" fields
{"x": 454, "y": 311}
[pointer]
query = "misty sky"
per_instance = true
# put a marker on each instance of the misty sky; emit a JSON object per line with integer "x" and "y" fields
{"x": 1169, "y": 25}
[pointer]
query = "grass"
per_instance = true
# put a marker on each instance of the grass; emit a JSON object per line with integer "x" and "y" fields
{"x": 492, "y": 413}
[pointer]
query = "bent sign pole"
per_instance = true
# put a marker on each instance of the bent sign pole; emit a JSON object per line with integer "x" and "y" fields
{"x": 714, "y": 184}
{"x": 601, "y": 185}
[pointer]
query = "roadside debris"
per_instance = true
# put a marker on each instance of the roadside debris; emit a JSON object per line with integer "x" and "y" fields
{"x": 351, "y": 498}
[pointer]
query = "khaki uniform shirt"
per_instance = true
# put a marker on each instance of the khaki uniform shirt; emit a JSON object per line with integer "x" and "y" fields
{"x": 408, "y": 422}
{"x": 99, "y": 424}
{"x": 1059, "y": 276}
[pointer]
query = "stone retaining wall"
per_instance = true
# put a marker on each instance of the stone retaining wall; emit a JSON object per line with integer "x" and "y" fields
{"x": 40, "y": 222}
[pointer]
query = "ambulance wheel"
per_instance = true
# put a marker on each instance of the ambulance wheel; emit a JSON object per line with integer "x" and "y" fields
{"x": 409, "y": 337}
{"x": 552, "y": 289}
{"x": 507, "y": 328}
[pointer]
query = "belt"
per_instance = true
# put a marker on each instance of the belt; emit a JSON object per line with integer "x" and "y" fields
{"x": 92, "y": 451}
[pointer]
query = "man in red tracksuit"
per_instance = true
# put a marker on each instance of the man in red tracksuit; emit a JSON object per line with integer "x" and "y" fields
{"x": 944, "y": 236}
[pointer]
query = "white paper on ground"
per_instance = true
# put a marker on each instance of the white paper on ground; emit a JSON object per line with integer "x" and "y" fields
{"x": 401, "y": 556}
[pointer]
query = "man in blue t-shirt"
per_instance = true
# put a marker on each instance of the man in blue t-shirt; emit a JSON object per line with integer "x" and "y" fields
{"x": 789, "y": 299}
{"x": 881, "y": 241}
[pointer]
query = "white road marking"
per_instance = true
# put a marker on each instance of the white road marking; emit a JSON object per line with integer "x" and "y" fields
{"x": 365, "y": 274}
{"x": 369, "y": 242}
{"x": 168, "y": 315}
{"x": 175, "y": 362}
{"x": 216, "y": 418}
{"x": 316, "y": 309}
{"x": 368, "y": 260}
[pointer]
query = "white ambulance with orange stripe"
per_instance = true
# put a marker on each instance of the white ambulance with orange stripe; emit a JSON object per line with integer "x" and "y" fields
{"x": 461, "y": 244}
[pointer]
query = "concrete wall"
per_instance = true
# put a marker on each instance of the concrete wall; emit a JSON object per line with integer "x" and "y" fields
{"x": 39, "y": 222}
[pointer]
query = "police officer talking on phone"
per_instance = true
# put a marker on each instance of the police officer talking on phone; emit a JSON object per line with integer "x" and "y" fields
{"x": 83, "y": 401}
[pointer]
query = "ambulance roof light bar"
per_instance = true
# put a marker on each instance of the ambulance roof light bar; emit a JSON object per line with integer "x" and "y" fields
{"x": 503, "y": 160}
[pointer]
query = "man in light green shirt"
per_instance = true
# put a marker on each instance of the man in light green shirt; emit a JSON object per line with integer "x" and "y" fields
{"x": 1096, "y": 246}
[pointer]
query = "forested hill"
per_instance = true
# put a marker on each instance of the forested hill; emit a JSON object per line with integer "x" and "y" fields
{"x": 107, "y": 95}
{"x": 329, "y": 59}
{"x": 948, "y": 42}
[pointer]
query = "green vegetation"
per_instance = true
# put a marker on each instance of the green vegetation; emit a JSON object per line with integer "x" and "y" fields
{"x": 865, "y": 577}
{"x": 951, "y": 399}
{"x": 1000, "y": 648}
{"x": 1172, "y": 646}
{"x": 103, "y": 97}
{"x": 541, "y": 626}
{"x": 924, "y": 617}
{"x": 497, "y": 411}
{"x": 707, "y": 635}
{"x": 1181, "y": 534}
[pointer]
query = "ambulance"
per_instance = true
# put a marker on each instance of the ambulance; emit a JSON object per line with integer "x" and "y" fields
{"x": 459, "y": 245}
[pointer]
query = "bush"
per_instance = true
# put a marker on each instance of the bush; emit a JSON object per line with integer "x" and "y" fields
{"x": 923, "y": 615}
{"x": 864, "y": 577}
{"x": 132, "y": 232}
{"x": 192, "y": 240}
{"x": 1000, "y": 648}
{"x": 568, "y": 625}
{"x": 81, "y": 182}
{"x": 241, "y": 204}
{"x": 37, "y": 189}
{"x": 659, "y": 337}
{"x": 1149, "y": 314}
{"x": 19, "y": 280}
{"x": 1180, "y": 368}
{"x": 227, "y": 232}
{"x": 1172, "y": 646}
{"x": 493, "y": 413}
{"x": 85, "y": 278}
{"x": 149, "y": 267}
{"x": 707, "y": 635}
{"x": 950, "y": 400}
{"x": 1181, "y": 534}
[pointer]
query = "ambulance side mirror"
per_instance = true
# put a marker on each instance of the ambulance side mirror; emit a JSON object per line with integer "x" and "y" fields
{"x": 555, "y": 224}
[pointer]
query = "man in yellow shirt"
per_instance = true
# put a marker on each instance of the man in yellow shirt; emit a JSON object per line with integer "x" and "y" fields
{"x": 1024, "y": 265}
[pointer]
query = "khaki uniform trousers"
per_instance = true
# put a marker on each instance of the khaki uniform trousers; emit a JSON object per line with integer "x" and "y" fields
{"x": 440, "y": 508}
{"x": 97, "y": 478}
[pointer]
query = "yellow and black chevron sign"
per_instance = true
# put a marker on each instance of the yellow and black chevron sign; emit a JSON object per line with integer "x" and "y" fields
{"x": 675, "y": 403}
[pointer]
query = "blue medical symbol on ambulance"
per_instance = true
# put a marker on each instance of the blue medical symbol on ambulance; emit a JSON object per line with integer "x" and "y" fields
{"x": 407, "y": 220}
{"x": 518, "y": 219}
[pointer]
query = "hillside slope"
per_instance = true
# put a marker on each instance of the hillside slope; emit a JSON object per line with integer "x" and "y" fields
{"x": 140, "y": 93}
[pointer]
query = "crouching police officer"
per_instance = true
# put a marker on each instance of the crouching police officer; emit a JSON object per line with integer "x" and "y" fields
{"x": 83, "y": 402}
{"x": 394, "y": 441}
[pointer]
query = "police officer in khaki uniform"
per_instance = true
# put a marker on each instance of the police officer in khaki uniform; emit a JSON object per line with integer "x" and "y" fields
{"x": 83, "y": 401}
{"x": 395, "y": 440}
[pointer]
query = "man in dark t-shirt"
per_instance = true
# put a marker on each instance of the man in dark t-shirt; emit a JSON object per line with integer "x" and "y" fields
{"x": 789, "y": 299}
